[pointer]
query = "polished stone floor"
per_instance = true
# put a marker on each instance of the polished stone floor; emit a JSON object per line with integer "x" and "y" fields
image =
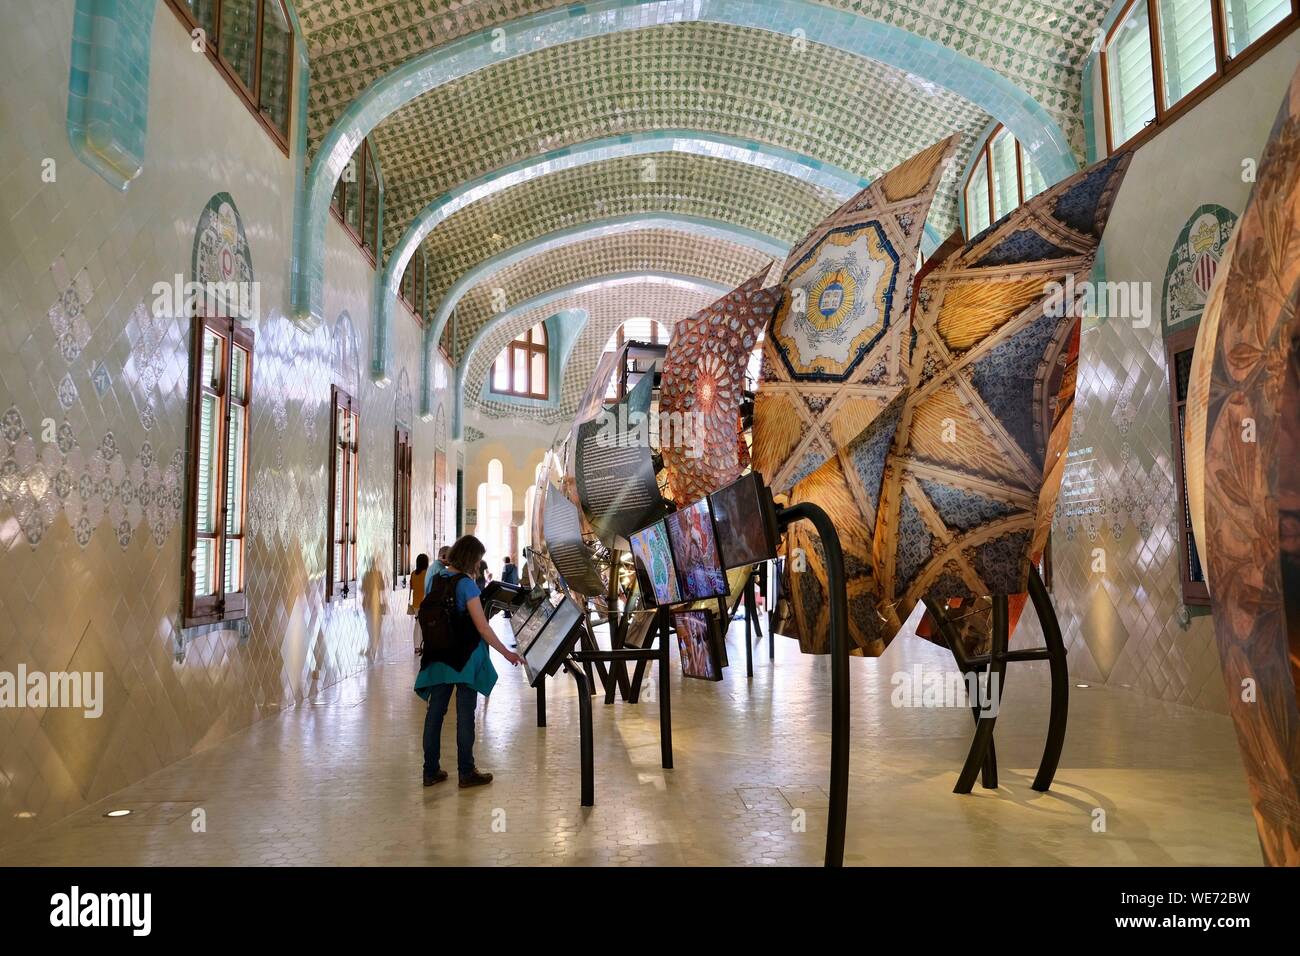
{"x": 337, "y": 781}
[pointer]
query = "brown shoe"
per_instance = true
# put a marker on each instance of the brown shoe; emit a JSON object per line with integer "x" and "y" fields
{"x": 476, "y": 779}
{"x": 431, "y": 779}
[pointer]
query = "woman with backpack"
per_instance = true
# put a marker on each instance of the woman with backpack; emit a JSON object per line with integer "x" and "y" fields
{"x": 456, "y": 657}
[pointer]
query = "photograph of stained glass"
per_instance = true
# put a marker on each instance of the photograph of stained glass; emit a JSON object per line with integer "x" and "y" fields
{"x": 654, "y": 564}
{"x": 695, "y": 552}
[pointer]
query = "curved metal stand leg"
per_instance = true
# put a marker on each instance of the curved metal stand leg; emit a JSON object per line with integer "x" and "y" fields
{"x": 997, "y": 670}
{"x": 989, "y": 772}
{"x": 837, "y": 599}
{"x": 585, "y": 734}
{"x": 1060, "y": 681}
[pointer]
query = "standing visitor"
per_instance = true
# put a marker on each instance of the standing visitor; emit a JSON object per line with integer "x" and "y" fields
{"x": 457, "y": 659}
{"x": 509, "y": 575}
{"x": 437, "y": 567}
{"x": 417, "y": 588}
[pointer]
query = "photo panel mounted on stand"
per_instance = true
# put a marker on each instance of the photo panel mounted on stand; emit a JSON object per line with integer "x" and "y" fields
{"x": 557, "y": 629}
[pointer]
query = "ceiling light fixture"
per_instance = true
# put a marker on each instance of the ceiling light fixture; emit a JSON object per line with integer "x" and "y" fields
{"x": 118, "y": 813}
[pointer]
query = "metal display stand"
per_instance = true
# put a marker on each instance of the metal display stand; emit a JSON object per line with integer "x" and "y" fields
{"x": 982, "y": 757}
{"x": 839, "y": 622}
{"x": 577, "y": 663}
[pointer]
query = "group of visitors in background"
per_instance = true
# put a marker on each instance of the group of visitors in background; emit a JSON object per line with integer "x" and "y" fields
{"x": 461, "y": 663}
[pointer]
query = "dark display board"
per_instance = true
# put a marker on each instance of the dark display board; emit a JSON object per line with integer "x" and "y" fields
{"x": 564, "y": 544}
{"x": 699, "y": 644}
{"x": 694, "y": 541}
{"x": 554, "y": 639}
{"x": 614, "y": 468}
{"x": 656, "y": 573}
{"x": 530, "y": 621}
{"x": 746, "y": 521}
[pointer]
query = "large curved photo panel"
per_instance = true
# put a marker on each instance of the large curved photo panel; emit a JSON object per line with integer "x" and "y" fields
{"x": 834, "y": 353}
{"x": 971, "y": 485}
{"x": 1252, "y": 488}
{"x": 702, "y": 388}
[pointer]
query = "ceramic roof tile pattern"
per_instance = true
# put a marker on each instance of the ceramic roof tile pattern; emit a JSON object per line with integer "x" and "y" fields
{"x": 636, "y": 250}
{"x": 747, "y": 196}
{"x": 1040, "y": 45}
{"x": 607, "y": 309}
{"x": 821, "y": 102}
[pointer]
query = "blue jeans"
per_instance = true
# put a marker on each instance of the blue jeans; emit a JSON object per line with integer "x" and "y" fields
{"x": 466, "y": 701}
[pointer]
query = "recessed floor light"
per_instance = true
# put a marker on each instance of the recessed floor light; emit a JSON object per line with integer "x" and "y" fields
{"x": 118, "y": 813}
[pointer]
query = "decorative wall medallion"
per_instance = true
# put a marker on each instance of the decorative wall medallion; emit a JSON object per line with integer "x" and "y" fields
{"x": 1193, "y": 263}
{"x": 220, "y": 248}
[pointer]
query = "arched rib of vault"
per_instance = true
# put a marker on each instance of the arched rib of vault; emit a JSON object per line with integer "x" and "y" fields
{"x": 926, "y": 59}
{"x": 695, "y": 225}
{"x": 631, "y": 250}
{"x": 608, "y": 301}
{"x": 838, "y": 182}
{"x": 705, "y": 188}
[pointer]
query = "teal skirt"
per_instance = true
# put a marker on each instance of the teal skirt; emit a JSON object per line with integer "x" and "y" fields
{"x": 478, "y": 673}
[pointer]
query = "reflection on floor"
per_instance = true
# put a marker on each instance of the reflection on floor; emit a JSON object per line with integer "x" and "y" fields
{"x": 337, "y": 781}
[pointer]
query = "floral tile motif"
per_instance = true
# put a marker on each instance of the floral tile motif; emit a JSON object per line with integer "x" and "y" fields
{"x": 88, "y": 489}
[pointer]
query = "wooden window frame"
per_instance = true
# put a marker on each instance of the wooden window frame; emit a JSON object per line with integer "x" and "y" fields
{"x": 222, "y": 605}
{"x": 345, "y": 585}
{"x": 417, "y": 272}
{"x": 402, "y": 478}
{"x": 251, "y": 98}
{"x": 985, "y": 162}
{"x": 530, "y": 348}
{"x": 1195, "y": 593}
{"x": 1225, "y": 67}
{"x": 338, "y": 202}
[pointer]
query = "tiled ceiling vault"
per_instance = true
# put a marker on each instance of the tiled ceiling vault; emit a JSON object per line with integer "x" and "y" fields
{"x": 753, "y": 85}
{"x": 607, "y": 309}
{"x": 636, "y": 250}
{"x": 1040, "y": 45}
{"x": 820, "y": 102}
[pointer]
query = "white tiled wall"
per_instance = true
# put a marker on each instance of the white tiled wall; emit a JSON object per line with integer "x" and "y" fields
{"x": 93, "y": 411}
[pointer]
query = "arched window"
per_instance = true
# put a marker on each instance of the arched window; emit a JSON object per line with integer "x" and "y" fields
{"x": 1161, "y": 57}
{"x": 496, "y": 508}
{"x": 521, "y": 368}
{"x": 1001, "y": 178}
{"x": 648, "y": 331}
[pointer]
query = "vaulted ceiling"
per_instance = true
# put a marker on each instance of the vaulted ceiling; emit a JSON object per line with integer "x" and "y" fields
{"x": 751, "y": 85}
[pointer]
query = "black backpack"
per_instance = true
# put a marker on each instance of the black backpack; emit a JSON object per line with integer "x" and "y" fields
{"x": 448, "y": 635}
